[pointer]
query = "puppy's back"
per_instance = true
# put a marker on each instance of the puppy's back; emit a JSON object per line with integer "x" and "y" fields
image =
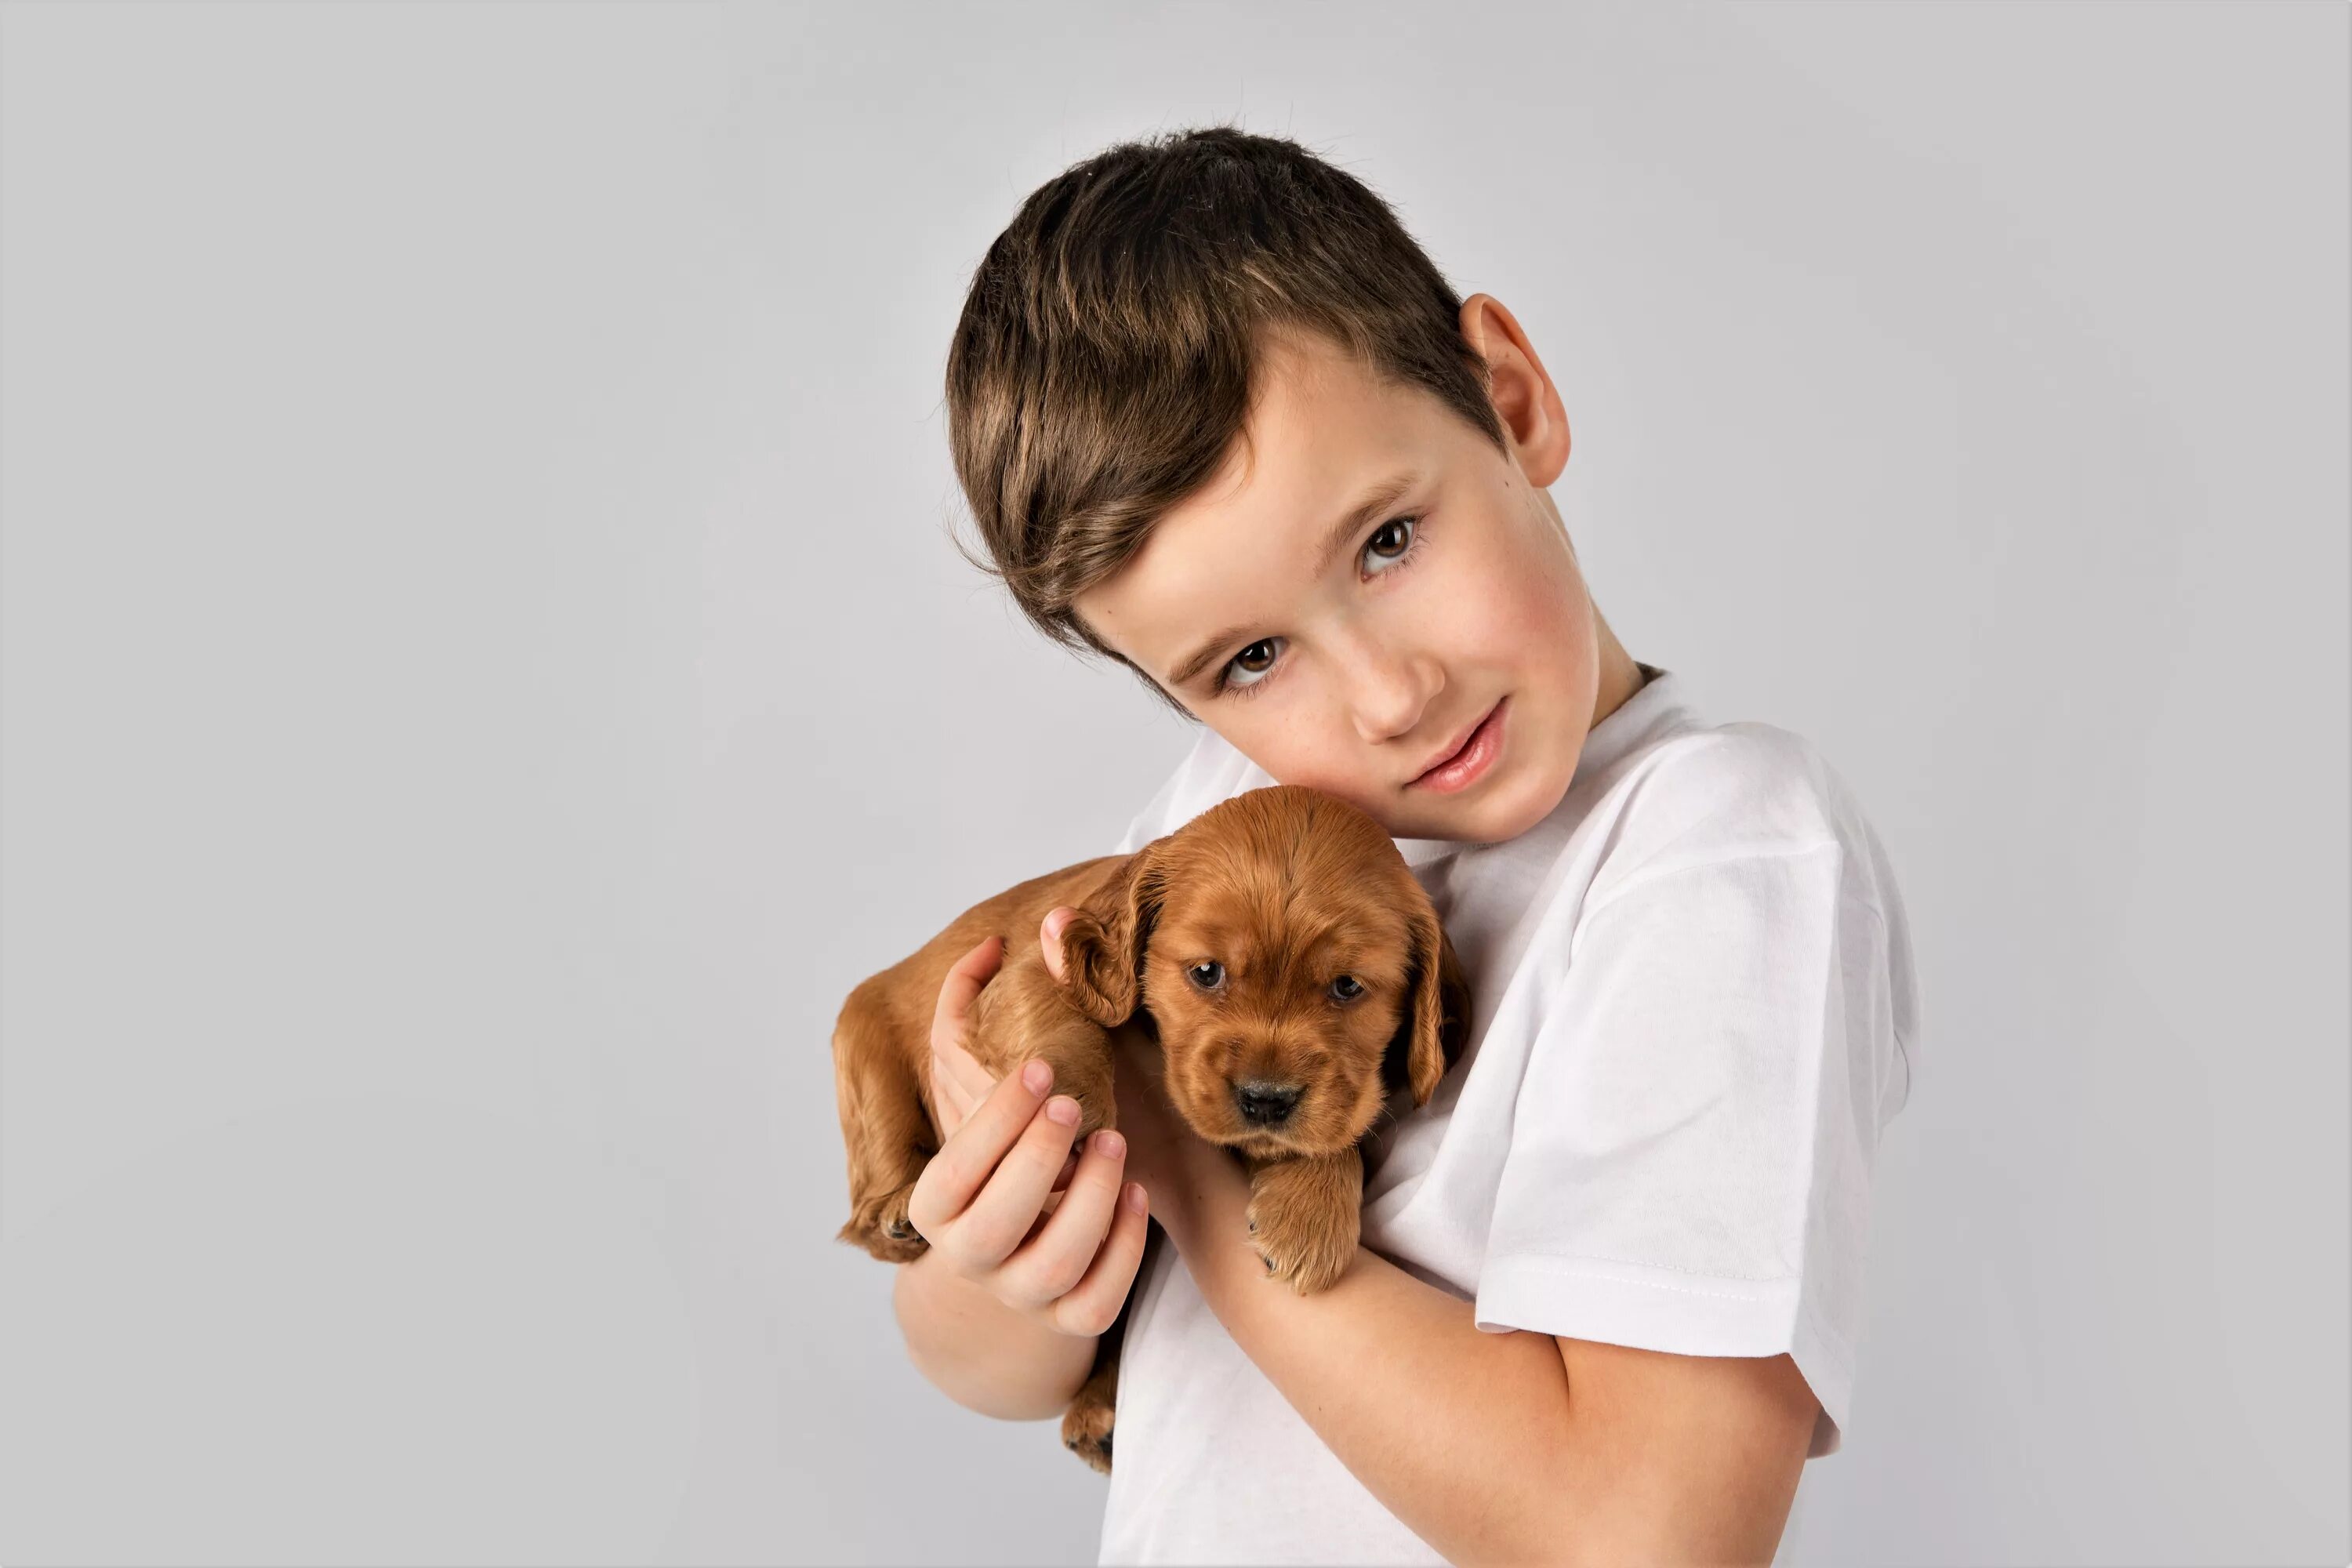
{"x": 881, "y": 1047}
{"x": 903, "y": 999}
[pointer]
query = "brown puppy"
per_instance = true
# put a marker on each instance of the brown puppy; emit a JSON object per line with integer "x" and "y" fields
{"x": 1287, "y": 961}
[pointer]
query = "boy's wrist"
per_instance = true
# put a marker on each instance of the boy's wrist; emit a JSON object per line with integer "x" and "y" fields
{"x": 1208, "y": 1194}
{"x": 998, "y": 1360}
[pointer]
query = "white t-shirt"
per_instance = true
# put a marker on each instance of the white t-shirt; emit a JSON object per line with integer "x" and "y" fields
{"x": 1693, "y": 1011}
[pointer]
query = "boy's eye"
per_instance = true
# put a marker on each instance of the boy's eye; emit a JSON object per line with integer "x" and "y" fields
{"x": 1403, "y": 542}
{"x": 1247, "y": 669}
{"x": 1244, "y": 663}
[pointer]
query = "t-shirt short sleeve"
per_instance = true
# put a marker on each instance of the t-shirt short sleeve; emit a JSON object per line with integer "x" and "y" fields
{"x": 1690, "y": 1158}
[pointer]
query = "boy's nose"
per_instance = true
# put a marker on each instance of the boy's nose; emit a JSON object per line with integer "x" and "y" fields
{"x": 1265, "y": 1104}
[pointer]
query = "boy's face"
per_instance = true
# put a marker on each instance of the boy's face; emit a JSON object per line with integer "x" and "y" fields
{"x": 1455, "y": 594}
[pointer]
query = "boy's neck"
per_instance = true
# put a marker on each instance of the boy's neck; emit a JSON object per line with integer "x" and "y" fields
{"x": 1620, "y": 676}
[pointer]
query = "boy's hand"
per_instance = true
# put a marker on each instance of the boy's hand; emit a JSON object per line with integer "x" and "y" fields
{"x": 1006, "y": 1202}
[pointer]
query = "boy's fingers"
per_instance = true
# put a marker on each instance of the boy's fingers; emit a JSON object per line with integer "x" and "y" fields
{"x": 956, "y": 1173}
{"x": 1050, "y": 937}
{"x": 963, "y": 982}
{"x": 950, "y": 1097}
{"x": 1093, "y": 1303}
{"x": 953, "y": 1063}
{"x": 1052, "y": 1257}
{"x": 963, "y": 1077}
{"x": 1001, "y": 1215}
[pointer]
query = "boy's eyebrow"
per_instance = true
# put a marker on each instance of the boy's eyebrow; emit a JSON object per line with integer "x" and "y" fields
{"x": 1380, "y": 496}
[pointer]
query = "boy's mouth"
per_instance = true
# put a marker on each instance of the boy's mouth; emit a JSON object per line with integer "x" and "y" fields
{"x": 1470, "y": 757}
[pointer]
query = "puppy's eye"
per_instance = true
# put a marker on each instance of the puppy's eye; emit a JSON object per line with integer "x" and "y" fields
{"x": 1207, "y": 975}
{"x": 1346, "y": 989}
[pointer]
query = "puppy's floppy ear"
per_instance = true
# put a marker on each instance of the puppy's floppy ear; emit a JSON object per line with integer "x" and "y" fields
{"x": 1437, "y": 1014}
{"x": 1104, "y": 943}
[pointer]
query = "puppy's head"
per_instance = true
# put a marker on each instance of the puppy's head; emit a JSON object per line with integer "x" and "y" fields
{"x": 1290, "y": 962}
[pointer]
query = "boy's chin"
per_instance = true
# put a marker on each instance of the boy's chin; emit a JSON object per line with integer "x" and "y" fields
{"x": 1503, "y": 810}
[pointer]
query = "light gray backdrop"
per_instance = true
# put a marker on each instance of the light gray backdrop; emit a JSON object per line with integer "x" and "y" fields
{"x": 484, "y": 673}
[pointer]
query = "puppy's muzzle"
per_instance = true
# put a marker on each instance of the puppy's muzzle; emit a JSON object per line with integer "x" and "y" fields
{"x": 1263, "y": 1104}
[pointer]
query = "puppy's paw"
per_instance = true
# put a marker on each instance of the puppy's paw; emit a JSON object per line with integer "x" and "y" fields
{"x": 1086, "y": 1429}
{"x": 1304, "y": 1221}
{"x": 879, "y": 1225}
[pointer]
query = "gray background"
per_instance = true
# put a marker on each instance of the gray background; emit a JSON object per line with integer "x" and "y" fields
{"x": 484, "y": 673}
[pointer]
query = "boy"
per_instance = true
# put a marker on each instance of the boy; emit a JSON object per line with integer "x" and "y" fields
{"x": 1219, "y": 419}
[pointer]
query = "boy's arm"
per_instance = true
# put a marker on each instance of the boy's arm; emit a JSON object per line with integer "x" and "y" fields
{"x": 981, "y": 1353}
{"x": 1504, "y": 1449}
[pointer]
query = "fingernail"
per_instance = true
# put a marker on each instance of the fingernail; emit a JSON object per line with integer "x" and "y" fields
{"x": 1038, "y": 1075}
{"x": 1063, "y": 1109}
{"x": 1109, "y": 1143}
{"x": 1135, "y": 1197}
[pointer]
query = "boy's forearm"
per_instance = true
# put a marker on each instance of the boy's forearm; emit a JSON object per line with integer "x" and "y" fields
{"x": 981, "y": 1353}
{"x": 1460, "y": 1433}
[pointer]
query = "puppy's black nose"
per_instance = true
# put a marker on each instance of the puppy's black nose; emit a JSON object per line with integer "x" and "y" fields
{"x": 1265, "y": 1104}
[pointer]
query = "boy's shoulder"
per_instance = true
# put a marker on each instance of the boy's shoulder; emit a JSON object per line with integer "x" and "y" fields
{"x": 1712, "y": 786}
{"x": 1715, "y": 793}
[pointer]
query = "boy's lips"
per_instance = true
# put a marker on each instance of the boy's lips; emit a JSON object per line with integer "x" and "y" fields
{"x": 1455, "y": 750}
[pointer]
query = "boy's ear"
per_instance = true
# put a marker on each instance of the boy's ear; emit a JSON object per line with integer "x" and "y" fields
{"x": 1436, "y": 1023}
{"x": 1103, "y": 945}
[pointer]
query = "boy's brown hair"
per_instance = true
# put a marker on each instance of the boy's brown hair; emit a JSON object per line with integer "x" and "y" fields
{"x": 1103, "y": 364}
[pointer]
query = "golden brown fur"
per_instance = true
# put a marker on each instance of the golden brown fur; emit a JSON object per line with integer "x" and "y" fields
{"x": 1285, "y": 891}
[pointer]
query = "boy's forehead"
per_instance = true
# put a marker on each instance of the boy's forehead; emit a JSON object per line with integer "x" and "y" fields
{"x": 1324, "y": 436}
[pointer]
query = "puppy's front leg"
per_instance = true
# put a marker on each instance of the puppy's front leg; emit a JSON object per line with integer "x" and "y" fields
{"x": 1304, "y": 1217}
